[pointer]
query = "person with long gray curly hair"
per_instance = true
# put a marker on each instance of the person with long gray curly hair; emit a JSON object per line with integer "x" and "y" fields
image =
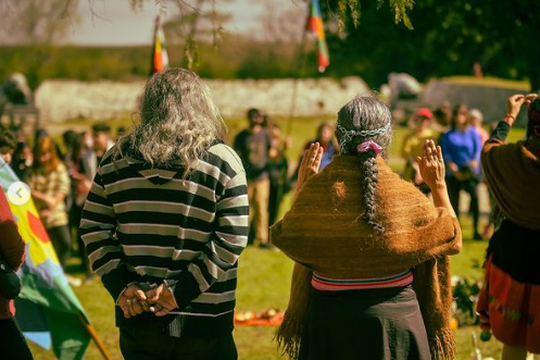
{"x": 512, "y": 270}
{"x": 362, "y": 238}
{"x": 165, "y": 222}
{"x": 178, "y": 120}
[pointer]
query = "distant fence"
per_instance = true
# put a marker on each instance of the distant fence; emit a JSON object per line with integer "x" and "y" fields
{"x": 59, "y": 100}
{"x": 489, "y": 99}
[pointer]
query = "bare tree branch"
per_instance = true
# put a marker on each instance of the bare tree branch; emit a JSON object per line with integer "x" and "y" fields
{"x": 95, "y": 15}
{"x": 66, "y": 11}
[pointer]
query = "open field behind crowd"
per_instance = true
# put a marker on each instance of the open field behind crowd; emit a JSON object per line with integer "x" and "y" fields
{"x": 264, "y": 276}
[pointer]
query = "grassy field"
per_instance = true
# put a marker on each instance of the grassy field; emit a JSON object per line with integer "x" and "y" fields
{"x": 264, "y": 278}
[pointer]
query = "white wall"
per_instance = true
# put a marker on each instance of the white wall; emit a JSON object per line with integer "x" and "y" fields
{"x": 59, "y": 100}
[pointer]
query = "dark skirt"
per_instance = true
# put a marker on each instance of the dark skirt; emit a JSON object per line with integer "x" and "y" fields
{"x": 378, "y": 324}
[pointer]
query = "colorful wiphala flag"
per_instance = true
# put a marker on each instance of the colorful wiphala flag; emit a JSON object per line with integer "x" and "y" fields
{"x": 48, "y": 311}
{"x": 160, "y": 59}
{"x": 316, "y": 27}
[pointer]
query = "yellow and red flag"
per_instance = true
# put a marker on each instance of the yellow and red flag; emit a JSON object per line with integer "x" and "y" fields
{"x": 316, "y": 27}
{"x": 160, "y": 59}
{"x": 48, "y": 311}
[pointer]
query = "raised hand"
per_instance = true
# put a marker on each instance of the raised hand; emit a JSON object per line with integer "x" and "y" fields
{"x": 431, "y": 165}
{"x": 513, "y": 107}
{"x": 161, "y": 300}
{"x": 310, "y": 164}
{"x": 529, "y": 99}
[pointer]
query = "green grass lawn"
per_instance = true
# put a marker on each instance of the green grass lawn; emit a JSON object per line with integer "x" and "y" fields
{"x": 264, "y": 278}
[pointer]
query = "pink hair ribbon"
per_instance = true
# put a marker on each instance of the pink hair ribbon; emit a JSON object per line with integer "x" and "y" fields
{"x": 369, "y": 145}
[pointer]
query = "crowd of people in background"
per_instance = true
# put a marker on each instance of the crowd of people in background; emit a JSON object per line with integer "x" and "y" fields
{"x": 262, "y": 148}
{"x": 59, "y": 178}
{"x": 60, "y": 171}
{"x": 460, "y": 132}
{"x": 461, "y": 136}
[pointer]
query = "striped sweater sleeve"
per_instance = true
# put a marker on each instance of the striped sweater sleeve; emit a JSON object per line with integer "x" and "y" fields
{"x": 221, "y": 253}
{"x": 97, "y": 229}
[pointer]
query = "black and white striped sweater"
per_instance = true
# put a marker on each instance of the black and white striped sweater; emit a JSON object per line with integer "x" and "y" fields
{"x": 146, "y": 225}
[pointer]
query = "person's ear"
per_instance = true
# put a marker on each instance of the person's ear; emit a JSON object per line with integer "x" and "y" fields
{"x": 536, "y": 130}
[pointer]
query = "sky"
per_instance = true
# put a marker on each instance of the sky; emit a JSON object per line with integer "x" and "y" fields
{"x": 117, "y": 24}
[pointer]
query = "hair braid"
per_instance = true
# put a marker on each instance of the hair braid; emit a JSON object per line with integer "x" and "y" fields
{"x": 365, "y": 116}
{"x": 368, "y": 167}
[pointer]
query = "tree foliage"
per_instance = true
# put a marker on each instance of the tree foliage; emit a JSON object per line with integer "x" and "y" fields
{"x": 448, "y": 37}
{"x": 432, "y": 37}
{"x": 346, "y": 9}
{"x": 189, "y": 22}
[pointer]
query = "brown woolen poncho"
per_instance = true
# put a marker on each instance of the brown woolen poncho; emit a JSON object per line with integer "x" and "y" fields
{"x": 512, "y": 173}
{"x": 324, "y": 232}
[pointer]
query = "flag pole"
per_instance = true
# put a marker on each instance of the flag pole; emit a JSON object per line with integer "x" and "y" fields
{"x": 157, "y": 21}
{"x": 301, "y": 60}
{"x": 95, "y": 337}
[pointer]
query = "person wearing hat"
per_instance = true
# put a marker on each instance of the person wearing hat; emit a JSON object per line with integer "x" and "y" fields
{"x": 509, "y": 303}
{"x": 413, "y": 144}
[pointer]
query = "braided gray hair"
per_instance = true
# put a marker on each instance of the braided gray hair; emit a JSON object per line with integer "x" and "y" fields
{"x": 361, "y": 119}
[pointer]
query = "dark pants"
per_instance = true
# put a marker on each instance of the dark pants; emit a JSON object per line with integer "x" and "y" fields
{"x": 12, "y": 341}
{"x": 61, "y": 240}
{"x": 150, "y": 343}
{"x": 470, "y": 187}
{"x": 74, "y": 221}
{"x": 274, "y": 202}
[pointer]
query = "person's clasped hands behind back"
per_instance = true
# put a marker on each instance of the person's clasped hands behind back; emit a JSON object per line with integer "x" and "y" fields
{"x": 156, "y": 299}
